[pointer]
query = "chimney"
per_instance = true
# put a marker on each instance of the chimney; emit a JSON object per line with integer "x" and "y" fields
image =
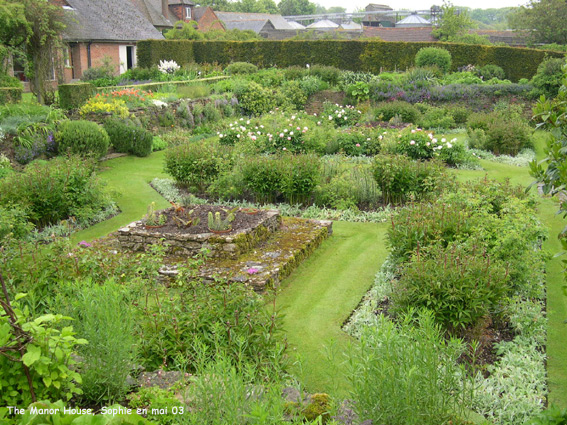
{"x": 165, "y": 8}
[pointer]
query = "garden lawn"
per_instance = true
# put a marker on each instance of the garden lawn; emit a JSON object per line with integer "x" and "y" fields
{"x": 321, "y": 294}
{"x": 128, "y": 178}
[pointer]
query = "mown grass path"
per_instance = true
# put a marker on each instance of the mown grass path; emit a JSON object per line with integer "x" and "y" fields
{"x": 128, "y": 178}
{"x": 320, "y": 295}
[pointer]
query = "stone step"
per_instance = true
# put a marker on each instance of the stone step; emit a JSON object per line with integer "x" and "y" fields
{"x": 271, "y": 261}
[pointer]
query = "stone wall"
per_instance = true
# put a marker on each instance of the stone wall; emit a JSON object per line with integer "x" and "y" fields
{"x": 135, "y": 237}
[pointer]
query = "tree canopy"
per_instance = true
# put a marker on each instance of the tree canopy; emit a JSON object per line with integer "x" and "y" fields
{"x": 545, "y": 20}
{"x": 453, "y": 23}
{"x": 296, "y": 7}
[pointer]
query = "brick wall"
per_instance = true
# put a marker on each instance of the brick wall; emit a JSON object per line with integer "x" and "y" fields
{"x": 400, "y": 34}
{"x": 178, "y": 11}
{"x": 210, "y": 21}
{"x": 80, "y": 62}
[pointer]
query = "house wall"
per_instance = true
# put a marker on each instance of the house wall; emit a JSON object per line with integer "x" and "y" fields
{"x": 179, "y": 11}
{"x": 210, "y": 21}
{"x": 80, "y": 60}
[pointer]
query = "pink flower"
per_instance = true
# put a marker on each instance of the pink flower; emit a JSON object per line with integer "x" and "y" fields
{"x": 285, "y": 149}
{"x": 412, "y": 142}
{"x": 252, "y": 270}
{"x": 84, "y": 244}
{"x": 358, "y": 145}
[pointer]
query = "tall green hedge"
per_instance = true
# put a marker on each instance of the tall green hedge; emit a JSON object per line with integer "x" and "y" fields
{"x": 72, "y": 96}
{"x": 10, "y": 94}
{"x": 355, "y": 55}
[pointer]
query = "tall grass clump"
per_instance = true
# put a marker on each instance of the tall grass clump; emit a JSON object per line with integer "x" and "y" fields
{"x": 406, "y": 373}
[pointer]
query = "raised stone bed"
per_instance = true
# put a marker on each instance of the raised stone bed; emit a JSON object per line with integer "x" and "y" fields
{"x": 135, "y": 237}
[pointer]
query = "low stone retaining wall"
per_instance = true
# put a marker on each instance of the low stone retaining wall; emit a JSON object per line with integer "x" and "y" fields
{"x": 135, "y": 237}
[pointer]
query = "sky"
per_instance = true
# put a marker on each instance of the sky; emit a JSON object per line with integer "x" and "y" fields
{"x": 421, "y": 4}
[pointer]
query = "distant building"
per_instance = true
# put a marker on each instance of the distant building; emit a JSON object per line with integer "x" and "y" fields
{"x": 413, "y": 21}
{"x": 385, "y": 19}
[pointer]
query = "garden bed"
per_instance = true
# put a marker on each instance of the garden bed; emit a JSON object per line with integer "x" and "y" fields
{"x": 246, "y": 232}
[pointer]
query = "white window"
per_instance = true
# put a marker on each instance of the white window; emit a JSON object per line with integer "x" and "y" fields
{"x": 187, "y": 13}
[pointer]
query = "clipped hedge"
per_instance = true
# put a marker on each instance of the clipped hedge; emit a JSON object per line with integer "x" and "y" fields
{"x": 355, "y": 55}
{"x": 74, "y": 95}
{"x": 10, "y": 94}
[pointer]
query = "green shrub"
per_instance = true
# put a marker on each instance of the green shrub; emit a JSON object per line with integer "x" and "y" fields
{"x": 142, "y": 142}
{"x": 294, "y": 94}
{"x": 385, "y": 111}
{"x": 494, "y": 133}
{"x": 127, "y": 137}
{"x": 408, "y": 373}
{"x": 10, "y": 95}
{"x": 437, "y": 118}
{"x": 416, "y": 144}
{"x": 255, "y": 99}
{"x": 329, "y": 74}
{"x": 73, "y": 96}
{"x": 104, "y": 317}
{"x": 158, "y": 144}
{"x": 488, "y": 72}
{"x": 459, "y": 114}
{"x": 198, "y": 163}
{"x": 56, "y": 190}
{"x": 83, "y": 138}
{"x": 401, "y": 179}
{"x": 461, "y": 288}
{"x": 211, "y": 113}
{"x": 236, "y": 68}
{"x": 549, "y": 76}
{"x": 9, "y": 81}
{"x": 311, "y": 85}
{"x": 14, "y": 223}
{"x": 466, "y": 78}
{"x": 434, "y": 56}
{"x": 45, "y": 346}
{"x": 295, "y": 73}
{"x": 120, "y": 134}
{"x": 291, "y": 177}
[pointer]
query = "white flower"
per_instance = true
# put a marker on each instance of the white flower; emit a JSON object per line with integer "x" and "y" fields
{"x": 443, "y": 140}
{"x": 307, "y": 65}
{"x": 248, "y": 122}
{"x": 330, "y": 117}
{"x": 221, "y": 136}
{"x": 281, "y": 134}
{"x": 434, "y": 140}
{"x": 339, "y": 116}
{"x": 449, "y": 145}
{"x": 293, "y": 117}
{"x": 412, "y": 142}
{"x": 285, "y": 130}
{"x": 262, "y": 126}
{"x": 291, "y": 133}
{"x": 306, "y": 128}
{"x": 168, "y": 67}
{"x": 253, "y": 137}
{"x": 159, "y": 103}
{"x": 289, "y": 138}
{"x": 380, "y": 137}
{"x": 238, "y": 135}
{"x": 427, "y": 144}
{"x": 413, "y": 131}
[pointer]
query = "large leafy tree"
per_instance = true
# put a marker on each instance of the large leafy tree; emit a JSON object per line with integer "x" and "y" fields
{"x": 453, "y": 23}
{"x": 545, "y": 20}
{"x": 32, "y": 29}
{"x": 296, "y": 7}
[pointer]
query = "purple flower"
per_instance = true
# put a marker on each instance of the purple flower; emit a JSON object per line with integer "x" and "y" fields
{"x": 84, "y": 244}
{"x": 252, "y": 270}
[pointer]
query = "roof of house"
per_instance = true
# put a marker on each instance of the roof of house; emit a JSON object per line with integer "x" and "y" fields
{"x": 351, "y": 26}
{"x": 255, "y": 26}
{"x": 198, "y": 12}
{"x": 400, "y": 34}
{"x": 324, "y": 23}
{"x": 415, "y": 20}
{"x": 152, "y": 11}
{"x": 296, "y": 25}
{"x": 277, "y": 21}
{"x": 107, "y": 20}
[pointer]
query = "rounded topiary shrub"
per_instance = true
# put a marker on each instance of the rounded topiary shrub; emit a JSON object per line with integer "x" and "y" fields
{"x": 240, "y": 68}
{"x": 488, "y": 72}
{"x": 142, "y": 141}
{"x": 434, "y": 56}
{"x": 119, "y": 131}
{"x": 83, "y": 138}
{"x": 197, "y": 164}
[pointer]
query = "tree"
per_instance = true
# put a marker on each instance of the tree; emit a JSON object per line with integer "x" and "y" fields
{"x": 544, "y": 20}
{"x": 453, "y": 23}
{"x": 32, "y": 29}
{"x": 184, "y": 31}
{"x": 296, "y": 7}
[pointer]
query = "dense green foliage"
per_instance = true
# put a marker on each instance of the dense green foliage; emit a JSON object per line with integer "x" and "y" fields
{"x": 72, "y": 96}
{"x": 370, "y": 56}
{"x": 82, "y": 138}
{"x": 433, "y": 56}
{"x": 55, "y": 190}
{"x": 10, "y": 94}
